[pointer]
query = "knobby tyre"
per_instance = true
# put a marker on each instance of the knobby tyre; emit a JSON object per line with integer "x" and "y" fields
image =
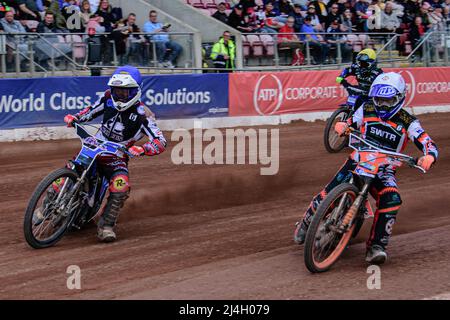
{"x": 41, "y": 217}
{"x": 323, "y": 246}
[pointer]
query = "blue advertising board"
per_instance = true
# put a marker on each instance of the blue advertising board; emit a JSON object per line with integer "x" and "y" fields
{"x": 45, "y": 101}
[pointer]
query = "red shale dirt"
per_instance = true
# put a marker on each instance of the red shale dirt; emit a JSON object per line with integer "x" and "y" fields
{"x": 224, "y": 231}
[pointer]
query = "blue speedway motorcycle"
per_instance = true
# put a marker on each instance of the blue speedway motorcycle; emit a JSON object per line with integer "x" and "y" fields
{"x": 70, "y": 197}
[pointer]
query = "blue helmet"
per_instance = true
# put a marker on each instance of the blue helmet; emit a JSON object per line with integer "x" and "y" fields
{"x": 125, "y": 84}
{"x": 388, "y": 94}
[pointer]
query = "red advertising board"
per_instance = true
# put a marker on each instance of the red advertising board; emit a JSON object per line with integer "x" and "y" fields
{"x": 272, "y": 93}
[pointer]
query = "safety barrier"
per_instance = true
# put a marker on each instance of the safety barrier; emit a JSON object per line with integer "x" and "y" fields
{"x": 248, "y": 98}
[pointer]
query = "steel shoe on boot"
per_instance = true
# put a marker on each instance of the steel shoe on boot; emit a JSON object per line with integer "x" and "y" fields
{"x": 376, "y": 255}
{"x": 108, "y": 219}
{"x": 106, "y": 234}
{"x": 300, "y": 232}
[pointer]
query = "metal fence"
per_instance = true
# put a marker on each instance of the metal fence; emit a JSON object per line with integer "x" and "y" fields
{"x": 33, "y": 54}
{"x": 49, "y": 53}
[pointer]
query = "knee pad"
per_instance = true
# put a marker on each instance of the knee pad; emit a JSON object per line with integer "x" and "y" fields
{"x": 119, "y": 183}
{"x": 389, "y": 200}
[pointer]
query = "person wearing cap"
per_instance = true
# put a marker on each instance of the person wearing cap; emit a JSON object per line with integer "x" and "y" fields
{"x": 298, "y": 17}
{"x": 316, "y": 20}
{"x": 237, "y": 20}
{"x": 316, "y": 44}
{"x": 334, "y": 38}
{"x": 221, "y": 14}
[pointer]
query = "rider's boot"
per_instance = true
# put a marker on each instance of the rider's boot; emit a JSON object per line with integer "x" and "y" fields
{"x": 300, "y": 232}
{"x": 107, "y": 222}
{"x": 376, "y": 255}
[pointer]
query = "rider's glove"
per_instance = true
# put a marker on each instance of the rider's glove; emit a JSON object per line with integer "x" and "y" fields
{"x": 69, "y": 119}
{"x": 340, "y": 128}
{"x": 425, "y": 162}
{"x": 136, "y": 151}
{"x": 339, "y": 79}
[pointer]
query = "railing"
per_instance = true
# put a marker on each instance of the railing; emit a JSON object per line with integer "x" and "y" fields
{"x": 33, "y": 54}
{"x": 49, "y": 53}
{"x": 266, "y": 49}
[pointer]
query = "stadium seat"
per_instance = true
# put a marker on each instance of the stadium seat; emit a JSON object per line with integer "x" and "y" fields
{"x": 245, "y": 46}
{"x": 78, "y": 46}
{"x": 268, "y": 43}
{"x": 256, "y": 44}
{"x": 198, "y": 4}
{"x": 210, "y": 4}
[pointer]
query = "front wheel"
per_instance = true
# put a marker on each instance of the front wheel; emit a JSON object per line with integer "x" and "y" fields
{"x": 52, "y": 207}
{"x": 332, "y": 141}
{"x": 324, "y": 241}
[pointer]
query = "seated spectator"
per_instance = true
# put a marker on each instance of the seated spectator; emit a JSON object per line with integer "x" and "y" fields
{"x": 298, "y": 17}
{"x": 223, "y": 53}
{"x": 334, "y": 38}
{"x": 53, "y": 7}
{"x": 45, "y": 50}
{"x": 85, "y": 13}
{"x": 237, "y": 20}
{"x": 347, "y": 25}
{"x": 221, "y": 14}
{"x": 19, "y": 42}
{"x": 285, "y": 8}
{"x": 314, "y": 40}
{"x": 332, "y": 15}
{"x": 374, "y": 16}
{"x": 390, "y": 20}
{"x": 361, "y": 7}
{"x": 128, "y": 42}
{"x": 316, "y": 21}
{"x": 29, "y": 10}
{"x": 110, "y": 19}
{"x": 49, "y": 25}
{"x": 340, "y": 3}
{"x": 167, "y": 51}
{"x": 411, "y": 9}
{"x": 288, "y": 39}
{"x": 423, "y": 13}
{"x": 416, "y": 31}
{"x": 247, "y": 4}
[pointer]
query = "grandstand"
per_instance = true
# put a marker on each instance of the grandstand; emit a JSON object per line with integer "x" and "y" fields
{"x": 80, "y": 41}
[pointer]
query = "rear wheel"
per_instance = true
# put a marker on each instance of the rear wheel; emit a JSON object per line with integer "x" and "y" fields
{"x": 324, "y": 243}
{"x": 51, "y": 209}
{"x": 332, "y": 141}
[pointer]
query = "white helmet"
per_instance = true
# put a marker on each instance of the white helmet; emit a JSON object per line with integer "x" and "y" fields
{"x": 388, "y": 94}
{"x": 125, "y": 84}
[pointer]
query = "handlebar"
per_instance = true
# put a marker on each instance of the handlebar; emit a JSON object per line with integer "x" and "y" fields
{"x": 118, "y": 146}
{"x": 410, "y": 161}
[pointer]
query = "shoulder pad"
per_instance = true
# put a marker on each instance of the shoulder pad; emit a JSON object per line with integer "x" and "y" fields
{"x": 406, "y": 117}
{"x": 369, "y": 106}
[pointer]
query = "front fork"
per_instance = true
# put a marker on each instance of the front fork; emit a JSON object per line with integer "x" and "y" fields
{"x": 354, "y": 209}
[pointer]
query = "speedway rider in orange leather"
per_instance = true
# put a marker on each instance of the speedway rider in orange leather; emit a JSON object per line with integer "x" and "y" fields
{"x": 381, "y": 119}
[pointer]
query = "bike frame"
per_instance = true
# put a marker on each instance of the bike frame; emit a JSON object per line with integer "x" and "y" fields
{"x": 365, "y": 173}
{"x": 92, "y": 147}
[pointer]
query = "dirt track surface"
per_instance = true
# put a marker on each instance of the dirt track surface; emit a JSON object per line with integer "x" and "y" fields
{"x": 224, "y": 232}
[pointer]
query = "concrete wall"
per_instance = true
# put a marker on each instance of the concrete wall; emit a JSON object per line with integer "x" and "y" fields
{"x": 210, "y": 28}
{"x": 142, "y": 8}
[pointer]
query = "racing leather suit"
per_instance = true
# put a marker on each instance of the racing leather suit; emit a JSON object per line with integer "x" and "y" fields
{"x": 391, "y": 135}
{"x": 126, "y": 127}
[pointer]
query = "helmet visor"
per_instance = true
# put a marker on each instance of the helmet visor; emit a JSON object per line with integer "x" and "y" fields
{"x": 385, "y": 104}
{"x": 122, "y": 94}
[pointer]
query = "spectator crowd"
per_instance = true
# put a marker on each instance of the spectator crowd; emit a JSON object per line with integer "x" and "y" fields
{"x": 104, "y": 24}
{"x": 324, "y": 23}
